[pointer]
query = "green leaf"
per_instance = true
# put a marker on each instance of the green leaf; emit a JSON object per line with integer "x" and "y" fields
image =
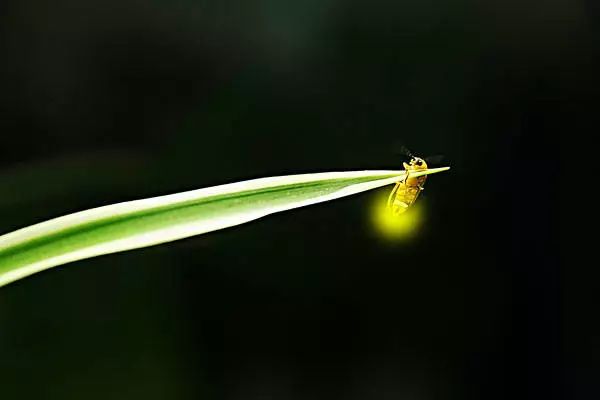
{"x": 147, "y": 222}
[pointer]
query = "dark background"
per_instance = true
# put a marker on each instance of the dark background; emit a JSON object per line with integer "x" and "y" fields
{"x": 107, "y": 101}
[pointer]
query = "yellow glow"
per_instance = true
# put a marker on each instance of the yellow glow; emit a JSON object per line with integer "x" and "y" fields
{"x": 395, "y": 227}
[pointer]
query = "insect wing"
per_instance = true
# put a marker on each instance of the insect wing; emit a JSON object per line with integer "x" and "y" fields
{"x": 434, "y": 159}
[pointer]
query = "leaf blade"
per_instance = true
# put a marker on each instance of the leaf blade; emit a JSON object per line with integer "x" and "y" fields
{"x": 147, "y": 222}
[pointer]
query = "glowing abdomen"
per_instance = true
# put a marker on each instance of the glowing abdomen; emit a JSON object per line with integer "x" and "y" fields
{"x": 407, "y": 194}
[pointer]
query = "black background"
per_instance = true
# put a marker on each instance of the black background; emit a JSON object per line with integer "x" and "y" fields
{"x": 107, "y": 101}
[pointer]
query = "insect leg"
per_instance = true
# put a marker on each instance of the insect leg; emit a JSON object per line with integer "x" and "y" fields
{"x": 405, "y": 180}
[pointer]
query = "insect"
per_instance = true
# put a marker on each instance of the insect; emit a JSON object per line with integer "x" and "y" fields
{"x": 406, "y": 191}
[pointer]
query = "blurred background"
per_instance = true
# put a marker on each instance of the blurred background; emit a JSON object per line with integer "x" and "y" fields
{"x": 108, "y": 101}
